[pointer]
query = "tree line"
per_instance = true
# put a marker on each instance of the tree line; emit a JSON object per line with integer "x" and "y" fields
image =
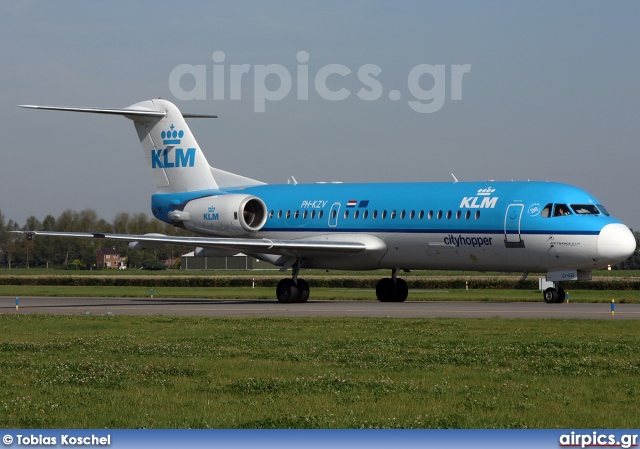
{"x": 18, "y": 252}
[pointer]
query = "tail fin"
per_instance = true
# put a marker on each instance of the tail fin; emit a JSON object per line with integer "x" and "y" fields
{"x": 175, "y": 159}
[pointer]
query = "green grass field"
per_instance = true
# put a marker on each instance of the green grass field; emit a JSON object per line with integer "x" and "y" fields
{"x": 193, "y": 372}
{"x": 171, "y": 372}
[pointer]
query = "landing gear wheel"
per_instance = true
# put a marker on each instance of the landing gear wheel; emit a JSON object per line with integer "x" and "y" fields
{"x": 402, "y": 290}
{"x": 287, "y": 291}
{"x": 551, "y": 295}
{"x": 389, "y": 291}
{"x": 303, "y": 290}
{"x": 385, "y": 290}
{"x": 561, "y": 295}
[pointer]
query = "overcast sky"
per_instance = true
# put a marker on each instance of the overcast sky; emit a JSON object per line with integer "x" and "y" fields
{"x": 530, "y": 90}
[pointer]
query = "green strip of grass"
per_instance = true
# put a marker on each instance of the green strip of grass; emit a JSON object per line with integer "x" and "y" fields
{"x": 621, "y": 296}
{"x": 196, "y": 372}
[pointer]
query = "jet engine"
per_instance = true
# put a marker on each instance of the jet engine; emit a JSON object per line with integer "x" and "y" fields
{"x": 223, "y": 215}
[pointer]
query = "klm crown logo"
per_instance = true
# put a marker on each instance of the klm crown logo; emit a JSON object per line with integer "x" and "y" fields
{"x": 172, "y": 157}
{"x": 211, "y": 215}
{"x": 486, "y": 192}
{"x": 172, "y": 137}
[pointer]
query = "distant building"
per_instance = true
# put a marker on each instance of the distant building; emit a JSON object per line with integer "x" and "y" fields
{"x": 237, "y": 262}
{"x": 109, "y": 258}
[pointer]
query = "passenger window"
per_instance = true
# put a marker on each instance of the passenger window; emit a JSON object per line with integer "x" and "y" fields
{"x": 355, "y": 214}
{"x": 402, "y": 214}
{"x": 458, "y": 214}
{"x": 288, "y": 214}
{"x": 384, "y": 214}
{"x": 296, "y": 214}
{"x": 393, "y": 214}
{"x": 365, "y": 214}
{"x": 279, "y": 214}
{"x": 467, "y": 214}
{"x": 430, "y": 216}
{"x": 546, "y": 212}
{"x": 304, "y": 215}
{"x": 439, "y": 216}
{"x": 313, "y": 214}
{"x": 271, "y": 214}
{"x": 346, "y": 214}
{"x": 477, "y": 214}
{"x": 375, "y": 214}
{"x": 421, "y": 215}
{"x": 320, "y": 214}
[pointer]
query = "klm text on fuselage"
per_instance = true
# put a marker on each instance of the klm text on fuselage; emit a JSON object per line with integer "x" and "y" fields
{"x": 471, "y": 202}
{"x": 180, "y": 158}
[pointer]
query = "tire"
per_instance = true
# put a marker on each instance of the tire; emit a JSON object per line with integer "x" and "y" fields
{"x": 386, "y": 290}
{"x": 389, "y": 291}
{"x": 287, "y": 291}
{"x": 561, "y": 295}
{"x": 551, "y": 295}
{"x": 303, "y": 291}
{"x": 402, "y": 290}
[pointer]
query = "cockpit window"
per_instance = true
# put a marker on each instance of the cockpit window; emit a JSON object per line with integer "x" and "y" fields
{"x": 560, "y": 210}
{"x": 603, "y": 209}
{"x": 546, "y": 212}
{"x": 585, "y": 209}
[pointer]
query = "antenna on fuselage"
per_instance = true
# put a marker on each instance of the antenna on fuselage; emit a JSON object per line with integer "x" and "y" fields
{"x": 454, "y": 178}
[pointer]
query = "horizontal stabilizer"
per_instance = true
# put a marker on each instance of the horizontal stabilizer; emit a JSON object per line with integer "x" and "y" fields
{"x": 191, "y": 115}
{"x": 130, "y": 112}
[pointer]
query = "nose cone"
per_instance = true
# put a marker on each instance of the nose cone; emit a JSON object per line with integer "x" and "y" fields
{"x": 616, "y": 243}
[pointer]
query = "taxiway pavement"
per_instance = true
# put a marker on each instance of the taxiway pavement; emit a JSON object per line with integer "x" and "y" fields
{"x": 314, "y": 308}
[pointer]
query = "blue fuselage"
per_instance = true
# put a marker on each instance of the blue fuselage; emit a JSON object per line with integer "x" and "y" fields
{"x": 512, "y": 226}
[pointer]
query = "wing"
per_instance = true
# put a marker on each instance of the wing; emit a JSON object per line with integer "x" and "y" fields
{"x": 318, "y": 246}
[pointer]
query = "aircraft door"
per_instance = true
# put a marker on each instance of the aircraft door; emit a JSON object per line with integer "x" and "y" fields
{"x": 512, "y": 220}
{"x": 333, "y": 215}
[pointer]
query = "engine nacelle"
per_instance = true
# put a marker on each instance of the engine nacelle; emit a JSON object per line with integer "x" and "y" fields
{"x": 139, "y": 246}
{"x": 224, "y": 215}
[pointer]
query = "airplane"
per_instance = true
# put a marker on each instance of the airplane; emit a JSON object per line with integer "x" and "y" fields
{"x": 507, "y": 226}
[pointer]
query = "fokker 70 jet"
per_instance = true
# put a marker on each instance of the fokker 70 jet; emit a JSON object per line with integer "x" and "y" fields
{"x": 528, "y": 226}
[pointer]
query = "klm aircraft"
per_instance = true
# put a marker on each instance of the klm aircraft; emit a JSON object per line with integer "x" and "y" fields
{"x": 547, "y": 227}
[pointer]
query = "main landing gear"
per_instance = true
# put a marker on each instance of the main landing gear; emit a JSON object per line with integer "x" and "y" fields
{"x": 554, "y": 295}
{"x": 392, "y": 289}
{"x": 294, "y": 289}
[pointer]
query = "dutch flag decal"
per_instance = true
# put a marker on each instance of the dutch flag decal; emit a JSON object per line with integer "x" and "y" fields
{"x": 352, "y": 203}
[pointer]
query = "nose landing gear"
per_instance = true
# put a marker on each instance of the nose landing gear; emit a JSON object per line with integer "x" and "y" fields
{"x": 294, "y": 289}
